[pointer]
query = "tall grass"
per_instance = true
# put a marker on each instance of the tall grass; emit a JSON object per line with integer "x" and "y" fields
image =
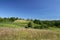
{"x": 15, "y": 31}
{"x": 27, "y": 34}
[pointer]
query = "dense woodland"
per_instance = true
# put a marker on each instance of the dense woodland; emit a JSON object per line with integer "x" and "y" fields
{"x": 37, "y": 24}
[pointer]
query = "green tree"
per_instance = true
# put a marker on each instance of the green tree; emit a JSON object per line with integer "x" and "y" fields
{"x": 37, "y": 21}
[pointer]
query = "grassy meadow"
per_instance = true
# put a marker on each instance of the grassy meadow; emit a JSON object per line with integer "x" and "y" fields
{"x": 28, "y": 34}
{"x": 14, "y": 24}
{"x": 16, "y": 31}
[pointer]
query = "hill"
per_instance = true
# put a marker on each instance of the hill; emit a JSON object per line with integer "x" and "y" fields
{"x": 18, "y": 29}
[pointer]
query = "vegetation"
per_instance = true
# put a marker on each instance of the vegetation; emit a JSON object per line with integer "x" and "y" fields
{"x": 14, "y": 28}
{"x": 28, "y": 34}
{"x": 30, "y": 23}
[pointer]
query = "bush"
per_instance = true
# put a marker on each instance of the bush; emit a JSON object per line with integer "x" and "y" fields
{"x": 30, "y": 24}
{"x": 26, "y": 26}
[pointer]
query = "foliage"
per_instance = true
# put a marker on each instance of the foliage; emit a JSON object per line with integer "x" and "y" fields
{"x": 37, "y": 21}
{"x": 30, "y": 24}
{"x": 40, "y": 24}
{"x": 48, "y": 23}
{"x": 37, "y": 27}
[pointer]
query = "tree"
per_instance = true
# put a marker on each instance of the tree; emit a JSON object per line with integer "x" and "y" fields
{"x": 13, "y": 18}
{"x": 37, "y": 21}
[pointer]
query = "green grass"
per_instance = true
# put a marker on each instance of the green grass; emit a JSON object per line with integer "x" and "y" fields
{"x": 13, "y": 24}
{"x": 8, "y": 25}
{"x": 16, "y": 31}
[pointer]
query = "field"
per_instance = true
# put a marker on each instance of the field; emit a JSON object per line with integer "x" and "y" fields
{"x": 28, "y": 34}
{"x": 15, "y": 24}
{"x": 16, "y": 31}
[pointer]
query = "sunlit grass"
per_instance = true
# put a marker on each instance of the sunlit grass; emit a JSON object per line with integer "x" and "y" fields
{"x": 16, "y": 31}
{"x": 27, "y": 34}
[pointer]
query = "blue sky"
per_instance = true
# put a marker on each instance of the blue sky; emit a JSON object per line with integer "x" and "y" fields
{"x": 35, "y": 9}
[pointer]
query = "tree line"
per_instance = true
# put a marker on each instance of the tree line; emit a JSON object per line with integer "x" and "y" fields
{"x": 9, "y": 19}
{"x": 44, "y": 24}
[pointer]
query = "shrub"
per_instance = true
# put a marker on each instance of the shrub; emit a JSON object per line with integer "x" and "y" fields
{"x": 30, "y": 24}
{"x": 26, "y": 26}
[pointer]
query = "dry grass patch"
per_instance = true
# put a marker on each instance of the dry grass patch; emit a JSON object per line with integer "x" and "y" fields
{"x": 26, "y": 34}
{"x": 21, "y": 21}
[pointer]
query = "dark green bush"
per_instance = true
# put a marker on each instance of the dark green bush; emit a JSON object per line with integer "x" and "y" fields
{"x": 26, "y": 26}
{"x": 30, "y": 25}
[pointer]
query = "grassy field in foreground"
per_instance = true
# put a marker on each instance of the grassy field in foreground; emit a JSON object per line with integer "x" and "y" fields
{"x": 16, "y": 31}
{"x": 28, "y": 34}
